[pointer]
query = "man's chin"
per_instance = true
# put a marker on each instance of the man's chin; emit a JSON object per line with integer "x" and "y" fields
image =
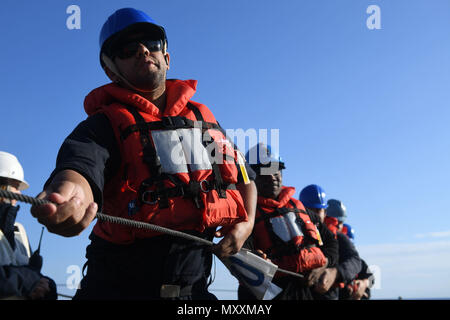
{"x": 145, "y": 86}
{"x": 147, "y": 81}
{"x": 270, "y": 193}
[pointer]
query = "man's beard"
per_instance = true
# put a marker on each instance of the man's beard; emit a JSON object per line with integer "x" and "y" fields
{"x": 149, "y": 82}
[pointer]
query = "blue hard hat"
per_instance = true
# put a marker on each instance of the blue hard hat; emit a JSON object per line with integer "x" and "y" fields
{"x": 350, "y": 231}
{"x": 337, "y": 210}
{"x": 262, "y": 154}
{"x": 124, "y": 18}
{"x": 313, "y": 196}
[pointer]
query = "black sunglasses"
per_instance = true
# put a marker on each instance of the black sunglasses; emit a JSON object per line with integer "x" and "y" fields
{"x": 125, "y": 50}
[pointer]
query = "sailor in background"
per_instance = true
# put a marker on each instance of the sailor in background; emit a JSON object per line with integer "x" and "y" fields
{"x": 20, "y": 276}
{"x": 285, "y": 233}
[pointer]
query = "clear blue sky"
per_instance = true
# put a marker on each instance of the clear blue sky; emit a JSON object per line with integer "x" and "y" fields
{"x": 363, "y": 113}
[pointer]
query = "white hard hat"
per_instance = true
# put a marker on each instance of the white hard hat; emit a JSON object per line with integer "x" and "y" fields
{"x": 10, "y": 168}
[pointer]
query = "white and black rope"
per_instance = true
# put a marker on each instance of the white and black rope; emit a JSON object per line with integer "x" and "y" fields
{"x": 126, "y": 222}
{"x": 108, "y": 218}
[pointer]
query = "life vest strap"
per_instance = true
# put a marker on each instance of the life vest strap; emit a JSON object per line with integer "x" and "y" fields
{"x": 168, "y": 123}
{"x": 215, "y": 167}
{"x": 277, "y": 212}
{"x": 191, "y": 190}
{"x": 151, "y": 158}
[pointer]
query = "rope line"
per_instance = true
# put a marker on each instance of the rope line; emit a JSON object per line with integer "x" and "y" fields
{"x": 111, "y": 219}
{"x": 126, "y": 222}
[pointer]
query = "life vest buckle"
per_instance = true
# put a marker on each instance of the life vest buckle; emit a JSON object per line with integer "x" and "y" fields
{"x": 194, "y": 188}
{"x": 222, "y": 192}
{"x": 149, "y": 194}
{"x": 204, "y": 186}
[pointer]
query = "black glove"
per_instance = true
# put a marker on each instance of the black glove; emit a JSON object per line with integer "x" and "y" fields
{"x": 35, "y": 261}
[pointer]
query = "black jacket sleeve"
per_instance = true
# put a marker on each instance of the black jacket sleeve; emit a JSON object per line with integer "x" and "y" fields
{"x": 330, "y": 247}
{"x": 17, "y": 280}
{"x": 91, "y": 150}
{"x": 365, "y": 272}
{"x": 349, "y": 260}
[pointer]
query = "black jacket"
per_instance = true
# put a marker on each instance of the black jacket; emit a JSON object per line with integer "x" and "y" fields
{"x": 348, "y": 267}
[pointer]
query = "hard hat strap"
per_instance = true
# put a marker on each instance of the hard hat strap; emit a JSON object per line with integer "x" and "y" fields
{"x": 112, "y": 66}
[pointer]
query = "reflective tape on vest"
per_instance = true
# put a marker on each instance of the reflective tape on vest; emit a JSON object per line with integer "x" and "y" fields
{"x": 178, "y": 149}
{"x": 286, "y": 226}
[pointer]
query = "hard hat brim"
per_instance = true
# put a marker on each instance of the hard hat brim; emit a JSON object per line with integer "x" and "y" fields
{"x": 19, "y": 184}
{"x": 316, "y": 206}
{"x": 23, "y": 185}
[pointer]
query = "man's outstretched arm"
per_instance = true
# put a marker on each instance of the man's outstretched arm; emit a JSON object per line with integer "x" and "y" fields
{"x": 73, "y": 207}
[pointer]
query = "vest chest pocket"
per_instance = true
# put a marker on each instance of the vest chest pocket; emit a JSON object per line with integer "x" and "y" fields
{"x": 181, "y": 150}
{"x": 286, "y": 226}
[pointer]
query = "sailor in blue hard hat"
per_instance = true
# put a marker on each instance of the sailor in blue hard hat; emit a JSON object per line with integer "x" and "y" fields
{"x": 120, "y": 161}
{"x": 122, "y": 35}
{"x": 313, "y": 198}
{"x": 268, "y": 166}
{"x": 349, "y": 231}
{"x": 336, "y": 209}
{"x": 272, "y": 195}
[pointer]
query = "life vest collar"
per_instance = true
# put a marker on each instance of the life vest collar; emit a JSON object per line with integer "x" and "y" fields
{"x": 332, "y": 224}
{"x": 178, "y": 93}
{"x": 268, "y": 204}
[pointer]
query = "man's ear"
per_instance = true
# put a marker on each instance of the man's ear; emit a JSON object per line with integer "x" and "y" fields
{"x": 167, "y": 59}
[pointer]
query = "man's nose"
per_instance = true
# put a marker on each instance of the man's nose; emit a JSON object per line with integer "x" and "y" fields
{"x": 142, "y": 50}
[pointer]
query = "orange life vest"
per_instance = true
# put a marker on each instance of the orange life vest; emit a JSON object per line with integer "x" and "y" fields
{"x": 178, "y": 170}
{"x": 332, "y": 224}
{"x": 285, "y": 232}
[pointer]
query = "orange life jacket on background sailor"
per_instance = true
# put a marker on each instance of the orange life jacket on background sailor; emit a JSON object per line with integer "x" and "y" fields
{"x": 284, "y": 231}
{"x": 168, "y": 176}
{"x": 332, "y": 224}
